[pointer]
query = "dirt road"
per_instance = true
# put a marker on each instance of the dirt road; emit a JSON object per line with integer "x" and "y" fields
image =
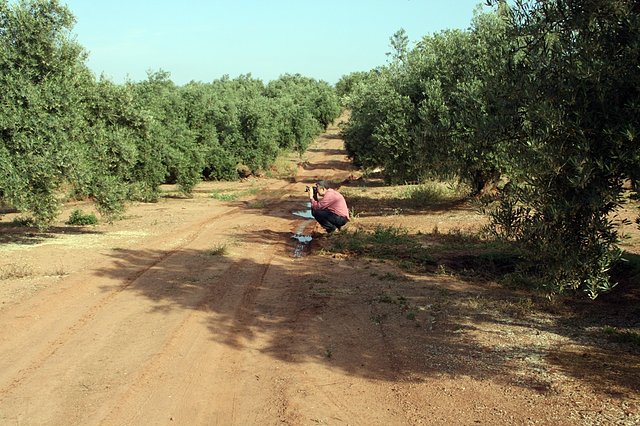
{"x": 196, "y": 312}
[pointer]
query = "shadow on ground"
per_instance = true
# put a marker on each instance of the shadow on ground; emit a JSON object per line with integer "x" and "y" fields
{"x": 11, "y": 233}
{"x": 374, "y": 321}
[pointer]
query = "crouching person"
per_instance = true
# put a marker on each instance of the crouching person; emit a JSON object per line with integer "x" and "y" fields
{"x": 328, "y": 207}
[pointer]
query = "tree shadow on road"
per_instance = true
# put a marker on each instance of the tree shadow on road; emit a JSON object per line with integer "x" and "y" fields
{"x": 11, "y": 233}
{"x": 369, "y": 319}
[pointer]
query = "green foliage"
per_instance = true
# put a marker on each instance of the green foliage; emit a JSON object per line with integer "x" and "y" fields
{"x": 62, "y": 129}
{"x": 243, "y": 123}
{"x": 575, "y": 68}
{"x": 23, "y": 221}
{"x": 542, "y": 96}
{"x": 169, "y": 152}
{"x": 348, "y": 83}
{"x": 399, "y": 43}
{"x": 304, "y": 107}
{"x": 113, "y": 133}
{"x": 205, "y": 116}
{"x": 78, "y": 217}
{"x": 427, "y": 113}
{"x": 378, "y": 133}
{"x": 41, "y": 79}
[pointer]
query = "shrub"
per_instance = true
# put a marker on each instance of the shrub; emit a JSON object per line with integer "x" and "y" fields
{"x": 78, "y": 217}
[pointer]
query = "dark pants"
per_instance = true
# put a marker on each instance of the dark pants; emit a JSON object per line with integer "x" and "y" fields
{"x": 329, "y": 220}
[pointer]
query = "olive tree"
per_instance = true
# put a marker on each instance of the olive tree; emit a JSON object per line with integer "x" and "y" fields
{"x": 575, "y": 71}
{"x": 42, "y": 81}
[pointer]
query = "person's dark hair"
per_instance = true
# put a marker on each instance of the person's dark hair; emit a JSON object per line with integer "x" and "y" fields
{"x": 323, "y": 184}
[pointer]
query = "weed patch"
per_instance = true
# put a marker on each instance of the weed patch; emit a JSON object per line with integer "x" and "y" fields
{"x": 390, "y": 243}
{"x": 394, "y": 200}
{"x": 622, "y": 336}
{"x": 219, "y": 250}
{"x": 385, "y": 298}
{"x": 282, "y": 167}
{"x": 27, "y": 222}
{"x": 316, "y": 280}
{"x": 79, "y": 218}
{"x": 389, "y": 276}
{"x": 453, "y": 254}
{"x": 258, "y": 204}
{"x": 223, "y": 195}
{"x": 13, "y": 271}
{"x": 432, "y": 192}
{"x": 520, "y": 307}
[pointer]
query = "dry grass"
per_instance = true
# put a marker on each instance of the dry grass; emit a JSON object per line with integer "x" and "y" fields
{"x": 14, "y": 271}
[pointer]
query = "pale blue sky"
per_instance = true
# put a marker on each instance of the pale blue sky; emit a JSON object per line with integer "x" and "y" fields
{"x": 204, "y": 40}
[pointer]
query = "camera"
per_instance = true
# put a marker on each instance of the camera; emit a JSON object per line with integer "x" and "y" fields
{"x": 315, "y": 191}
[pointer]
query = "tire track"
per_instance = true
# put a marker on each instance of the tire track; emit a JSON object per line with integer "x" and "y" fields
{"x": 93, "y": 310}
{"x": 226, "y": 299}
{"x": 223, "y": 353}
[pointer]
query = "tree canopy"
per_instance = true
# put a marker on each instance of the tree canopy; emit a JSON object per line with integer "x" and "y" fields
{"x": 539, "y": 98}
{"x": 67, "y": 134}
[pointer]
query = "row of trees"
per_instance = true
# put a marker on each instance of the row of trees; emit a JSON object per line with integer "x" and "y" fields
{"x": 541, "y": 96}
{"x": 64, "y": 131}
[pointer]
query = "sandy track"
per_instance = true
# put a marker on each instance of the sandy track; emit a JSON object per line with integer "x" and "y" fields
{"x": 163, "y": 331}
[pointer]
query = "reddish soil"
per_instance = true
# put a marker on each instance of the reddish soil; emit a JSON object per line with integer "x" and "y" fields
{"x": 195, "y": 311}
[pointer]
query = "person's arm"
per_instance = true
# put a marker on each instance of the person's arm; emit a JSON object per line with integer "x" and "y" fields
{"x": 314, "y": 203}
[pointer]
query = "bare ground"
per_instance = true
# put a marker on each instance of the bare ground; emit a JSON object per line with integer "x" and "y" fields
{"x": 196, "y": 311}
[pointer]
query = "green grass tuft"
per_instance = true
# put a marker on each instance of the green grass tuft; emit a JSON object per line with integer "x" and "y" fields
{"x": 226, "y": 195}
{"x": 79, "y": 218}
{"x": 391, "y": 243}
{"x": 28, "y": 222}
{"x": 432, "y": 192}
{"x": 218, "y": 250}
{"x": 622, "y": 336}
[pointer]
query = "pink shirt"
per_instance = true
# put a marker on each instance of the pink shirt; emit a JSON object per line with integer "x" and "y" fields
{"x": 332, "y": 201}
